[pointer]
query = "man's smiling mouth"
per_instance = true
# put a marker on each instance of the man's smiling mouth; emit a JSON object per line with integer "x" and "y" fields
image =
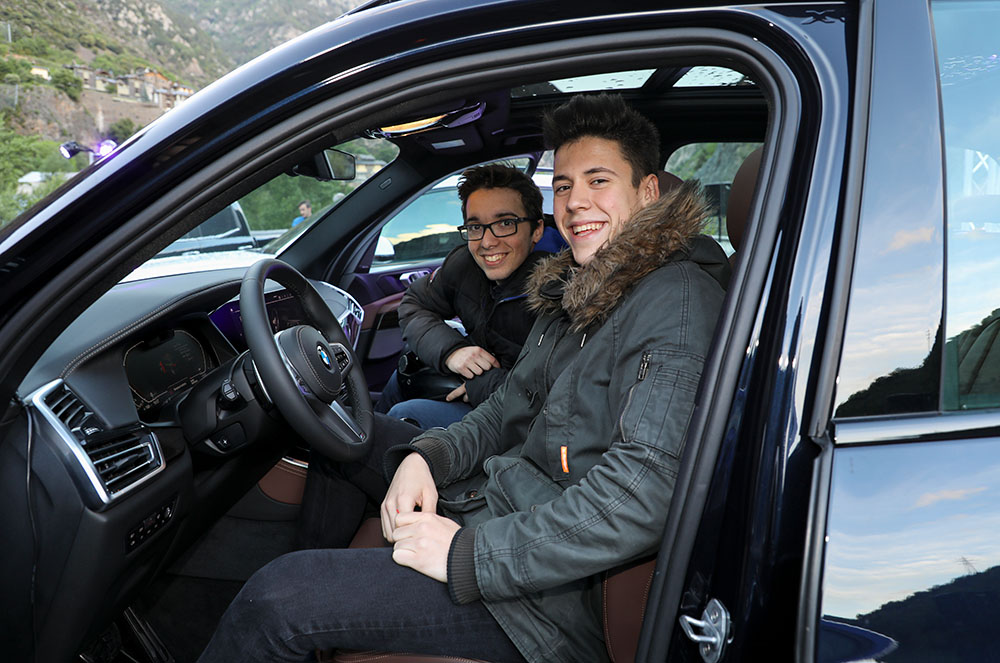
{"x": 586, "y": 228}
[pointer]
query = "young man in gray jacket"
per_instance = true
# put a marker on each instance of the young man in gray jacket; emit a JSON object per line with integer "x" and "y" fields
{"x": 507, "y": 517}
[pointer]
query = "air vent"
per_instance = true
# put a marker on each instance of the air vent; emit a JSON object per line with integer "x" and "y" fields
{"x": 106, "y": 463}
{"x": 122, "y": 457}
{"x": 71, "y": 411}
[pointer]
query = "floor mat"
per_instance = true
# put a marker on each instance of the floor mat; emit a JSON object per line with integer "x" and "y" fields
{"x": 185, "y": 610}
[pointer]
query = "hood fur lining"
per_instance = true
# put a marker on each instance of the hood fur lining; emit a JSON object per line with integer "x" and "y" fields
{"x": 590, "y": 293}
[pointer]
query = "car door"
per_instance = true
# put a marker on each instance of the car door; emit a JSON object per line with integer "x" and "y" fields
{"x": 734, "y": 538}
{"x": 849, "y": 514}
{"x": 909, "y": 554}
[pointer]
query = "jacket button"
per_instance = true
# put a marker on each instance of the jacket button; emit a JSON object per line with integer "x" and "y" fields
{"x": 471, "y": 494}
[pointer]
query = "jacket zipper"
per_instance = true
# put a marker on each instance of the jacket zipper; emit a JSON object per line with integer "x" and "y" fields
{"x": 644, "y": 366}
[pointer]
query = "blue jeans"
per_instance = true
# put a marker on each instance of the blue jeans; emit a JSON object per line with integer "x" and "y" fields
{"x": 430, "y": 414}
{"x": 350, "y": 599}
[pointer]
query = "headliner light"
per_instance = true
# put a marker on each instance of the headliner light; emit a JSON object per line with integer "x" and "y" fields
{"x": 411, "y": 127}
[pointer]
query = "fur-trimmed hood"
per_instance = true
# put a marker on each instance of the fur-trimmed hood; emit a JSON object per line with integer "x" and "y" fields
{"x": 666, "y": 230}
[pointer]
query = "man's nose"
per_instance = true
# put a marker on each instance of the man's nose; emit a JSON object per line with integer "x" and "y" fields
{"x": 578, "y": 199}
{"x": 489, "y": 239}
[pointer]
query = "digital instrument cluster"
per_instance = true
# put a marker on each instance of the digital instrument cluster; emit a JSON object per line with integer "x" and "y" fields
{"x": 162, "y": 366}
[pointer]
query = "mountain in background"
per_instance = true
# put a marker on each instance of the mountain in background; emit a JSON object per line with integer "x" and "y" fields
{"x": 192, "y": 41}
{"x": 47, "y": 97}
{"x": 247, "y": 28}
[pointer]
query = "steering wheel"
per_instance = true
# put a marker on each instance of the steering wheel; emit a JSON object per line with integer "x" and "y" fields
{"x": 303, "y": 369}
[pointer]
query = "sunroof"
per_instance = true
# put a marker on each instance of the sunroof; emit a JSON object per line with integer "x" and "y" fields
{"x": 618, "y": 80}
{"x": 712, "y": 77}
{"x": 701, "y": 76}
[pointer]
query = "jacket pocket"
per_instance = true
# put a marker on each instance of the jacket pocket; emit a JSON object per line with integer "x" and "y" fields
{"x": 659, "y": 404}
{"x": 518, "y": 486}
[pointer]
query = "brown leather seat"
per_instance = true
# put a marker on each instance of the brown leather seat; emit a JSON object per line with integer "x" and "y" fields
{"x": 624, "y": 589}
{"x": 740, "y": 197}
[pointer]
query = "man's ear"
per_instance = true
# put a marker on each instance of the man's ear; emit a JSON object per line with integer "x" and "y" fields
{"x": 649, "y": 189}
{"x": 536, "y": 234}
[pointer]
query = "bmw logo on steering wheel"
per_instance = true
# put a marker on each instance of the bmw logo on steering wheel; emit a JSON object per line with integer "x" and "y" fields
{"x": 324, "y": 356}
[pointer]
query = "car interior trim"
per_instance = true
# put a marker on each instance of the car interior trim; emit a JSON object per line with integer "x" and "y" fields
{"x": 83, "y": 469}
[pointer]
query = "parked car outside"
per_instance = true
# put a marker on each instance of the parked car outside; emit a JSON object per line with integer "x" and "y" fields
{"x": 837, "y": 498}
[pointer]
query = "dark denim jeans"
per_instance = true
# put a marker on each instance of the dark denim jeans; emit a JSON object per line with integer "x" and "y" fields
{"x": 339, "y": 495}
{"x": 351, "y": 599}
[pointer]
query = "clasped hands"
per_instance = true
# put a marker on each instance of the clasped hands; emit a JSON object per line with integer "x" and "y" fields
{"x": 420, "y": 539}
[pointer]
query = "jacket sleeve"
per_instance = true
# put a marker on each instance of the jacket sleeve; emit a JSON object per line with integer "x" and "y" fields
{"x": 617, "y": 512}
{"x": 458, "y": 451}
{"x": 428, "y": 302}
{"x": 480, "y": 387}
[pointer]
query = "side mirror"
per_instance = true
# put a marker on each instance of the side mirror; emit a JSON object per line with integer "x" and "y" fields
{"x": 327, "y": 166}
{"x": 384, "y": 251}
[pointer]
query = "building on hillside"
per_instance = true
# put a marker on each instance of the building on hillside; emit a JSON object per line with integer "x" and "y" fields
{"x": 365, "y": 165}
{"x": 40, "y": 72}
{"x": 27, "y": 184}
{"x": 145, "y": 86}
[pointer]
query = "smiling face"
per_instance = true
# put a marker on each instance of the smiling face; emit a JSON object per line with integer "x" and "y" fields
{"x": 499, "y": 256}
{"x": 593, "y": 193}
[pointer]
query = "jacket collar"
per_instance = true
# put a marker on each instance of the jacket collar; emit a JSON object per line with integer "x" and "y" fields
{"x": 657, "y": 234}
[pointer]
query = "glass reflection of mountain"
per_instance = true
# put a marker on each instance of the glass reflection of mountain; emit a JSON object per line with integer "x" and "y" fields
{"x": 950, "y": 623}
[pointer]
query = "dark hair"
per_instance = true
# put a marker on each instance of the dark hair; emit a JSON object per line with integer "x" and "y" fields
{"x": 306, "y": 203}
{"x": 606, "y": 116}
{"x": 500, "y": 176}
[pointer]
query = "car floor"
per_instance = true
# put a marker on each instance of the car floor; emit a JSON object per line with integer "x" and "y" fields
{"x": 184, "y": 605}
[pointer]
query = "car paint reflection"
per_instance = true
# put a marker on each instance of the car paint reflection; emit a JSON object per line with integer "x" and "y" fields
{"x": 914, "y": 539}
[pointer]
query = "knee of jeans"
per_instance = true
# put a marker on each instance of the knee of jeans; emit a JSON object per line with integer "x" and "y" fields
{"x": 406, "y": 409}
{"x": 263, "y": 601}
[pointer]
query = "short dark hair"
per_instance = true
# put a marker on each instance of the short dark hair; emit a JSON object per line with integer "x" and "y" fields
{"x": 306, "y": 203}
{"x": 606, "y": 116}
{"x": 502, "y": 176}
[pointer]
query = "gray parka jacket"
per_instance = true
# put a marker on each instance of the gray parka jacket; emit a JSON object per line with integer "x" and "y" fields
{"x": 568, "y": 469}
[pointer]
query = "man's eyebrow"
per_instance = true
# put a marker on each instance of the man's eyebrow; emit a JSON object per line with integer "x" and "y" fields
{"x": 589, "y": 171}
{"x": 497, "y": 215}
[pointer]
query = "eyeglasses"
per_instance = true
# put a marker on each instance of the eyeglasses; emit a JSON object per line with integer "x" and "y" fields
{"x": 472, "y": 232}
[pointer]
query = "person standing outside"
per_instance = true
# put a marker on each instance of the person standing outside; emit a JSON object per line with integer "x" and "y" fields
{"x": 482, "y": 284}
{"x": 305, "y": 211}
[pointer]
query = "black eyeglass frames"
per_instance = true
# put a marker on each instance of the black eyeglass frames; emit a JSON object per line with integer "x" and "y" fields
{"x": 472, "y": 232}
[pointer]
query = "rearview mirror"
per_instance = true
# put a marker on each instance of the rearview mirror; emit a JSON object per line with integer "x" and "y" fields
{"x": 327, "y": 166}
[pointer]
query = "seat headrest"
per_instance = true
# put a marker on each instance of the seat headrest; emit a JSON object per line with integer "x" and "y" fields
{"x": 740, "y": 195}
{"x": 667, "y": 181}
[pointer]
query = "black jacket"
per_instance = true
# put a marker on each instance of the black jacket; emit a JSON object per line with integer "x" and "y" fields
{"x": 495, "y": 316}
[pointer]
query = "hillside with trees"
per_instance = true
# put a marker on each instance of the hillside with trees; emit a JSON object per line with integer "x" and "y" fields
{"x": 63, "y": 61}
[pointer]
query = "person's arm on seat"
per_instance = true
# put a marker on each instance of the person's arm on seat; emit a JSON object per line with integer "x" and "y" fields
{"x": 425, "y": 306}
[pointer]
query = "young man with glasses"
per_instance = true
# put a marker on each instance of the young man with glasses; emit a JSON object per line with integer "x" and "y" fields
{"x": 482, "y": 284}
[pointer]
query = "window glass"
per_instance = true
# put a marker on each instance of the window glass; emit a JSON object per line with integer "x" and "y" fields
{"x": 969, "y": 62}
{"x": 269, "y": 218}
{"x": 715, "y": 166}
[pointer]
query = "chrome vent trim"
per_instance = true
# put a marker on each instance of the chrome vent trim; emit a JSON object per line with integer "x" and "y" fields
{"x": 107, "y": 464}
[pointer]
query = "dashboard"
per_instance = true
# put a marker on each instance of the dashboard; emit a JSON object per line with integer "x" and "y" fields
{"x": 165, "y": 364}
{"x": 132, "y": 453}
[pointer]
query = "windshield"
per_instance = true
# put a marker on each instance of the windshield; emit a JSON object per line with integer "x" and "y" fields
{"x": 269, "y": 218}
